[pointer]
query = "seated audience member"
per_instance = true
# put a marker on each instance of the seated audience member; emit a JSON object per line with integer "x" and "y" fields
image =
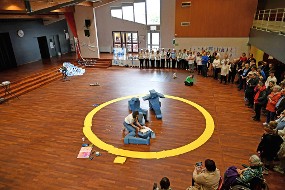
{"x": 234, "y": 176}
{"x": 131, "y": 122}
{"x": 189, "y": 81}
{"x": 205, "y": 178}
{"x": 280, "y": 168}
{"x": 271, "y": 77}
{"x": 165, "y": 184}
{"x": 272, "y": 99}
{"x": 249, "y": 92}
{"x": 259, "y": 99}
{"x": 269, "y": 145}
{"x": 281, "y": 121}
{"x": 280, "y": 105}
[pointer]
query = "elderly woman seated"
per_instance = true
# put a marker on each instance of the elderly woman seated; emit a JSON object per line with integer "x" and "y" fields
{"x": 234, "y": 176}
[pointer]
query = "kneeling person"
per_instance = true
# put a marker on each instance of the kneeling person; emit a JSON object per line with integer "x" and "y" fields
{"x": 189, "y": 81}
{"x": 131, "y": 122}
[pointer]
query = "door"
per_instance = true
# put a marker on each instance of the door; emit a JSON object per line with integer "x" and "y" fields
{"x": 153, "y": 40}
{"x": 43, "y": 45}
{"x": 7, "y": 56}
{"x": 55, "y": 46}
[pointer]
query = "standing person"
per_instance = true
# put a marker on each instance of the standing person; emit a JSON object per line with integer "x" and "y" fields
{"x": 259, "y": 99}
{"x": 191, "y": 59}
{"x": 199, "y": 63}
{"x": 243, "y": 58}
{"x": 242, "y": 77}
{"x": 251, "y": 58}
{"x": 179, "y": 58}
{"x": 205, "y": 60}
{"x": 271, "y": 77}
{"x": 152, "y": 59}
{"x": 146, "y": 58}
{"x": 249, "y": 92}
{"x": 217, "y": 67}
{"x": 173, "y": 59}
{"x": 162, "y": 58}
{"x": 158, "y": 58}
{"x": 224, "y": 69}
{"x": 141, "y": 58}
{"x": 232, "y": 71}
{"x": 168, "y": 57}
{"x": 184, "y": 63}
{"x": 272, "y": 100}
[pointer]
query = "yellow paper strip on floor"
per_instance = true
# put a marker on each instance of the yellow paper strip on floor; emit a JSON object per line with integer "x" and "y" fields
{"x": 120, "y": 160}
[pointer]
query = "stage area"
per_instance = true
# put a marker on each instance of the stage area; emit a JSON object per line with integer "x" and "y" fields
{"x": 41, "y": 133}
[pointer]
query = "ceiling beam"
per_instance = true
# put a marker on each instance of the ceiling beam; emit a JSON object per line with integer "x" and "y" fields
{"x": 25, "y": 16}
{"x": 102, "y": 2}
{"x": 54, "y": 7}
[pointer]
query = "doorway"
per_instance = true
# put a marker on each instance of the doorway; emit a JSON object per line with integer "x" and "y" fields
{"x": 153, "y": 40}
{"x": 43, "y": 45}
{"x": 55, "y": 46}
{"x": 7, "y": 56}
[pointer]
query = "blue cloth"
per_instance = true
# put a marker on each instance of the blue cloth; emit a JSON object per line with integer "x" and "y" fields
{"x": 244, "y": 72}
{"x": 278, "y": 102}
{"x": 263, "y": 74}
{"x": 173, "y": 55}
{"x": 205, "y": 60}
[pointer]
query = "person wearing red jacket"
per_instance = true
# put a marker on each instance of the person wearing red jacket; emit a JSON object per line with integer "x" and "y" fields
{"x": 259, "y": 99}
{"x": 272, "y": 100}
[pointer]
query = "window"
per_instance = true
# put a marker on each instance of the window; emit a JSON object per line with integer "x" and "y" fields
{"x": 153, "y": 40}
{"x": 127, "y": 40}
{"x": 139, "y": 9}
{"x": 116, "y": 12}
{"x": 128, "y": 12}
{"x": 153, "y": 12}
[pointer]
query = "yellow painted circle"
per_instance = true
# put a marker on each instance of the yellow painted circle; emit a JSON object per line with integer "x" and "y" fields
{"x": 149, "y": 155}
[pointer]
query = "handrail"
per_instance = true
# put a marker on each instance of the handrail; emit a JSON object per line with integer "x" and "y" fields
{"x": 270, "y": 20}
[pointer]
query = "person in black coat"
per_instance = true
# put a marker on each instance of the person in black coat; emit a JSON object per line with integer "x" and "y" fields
{"x": 249, "y": 92}
{"x": 242, "y": 77}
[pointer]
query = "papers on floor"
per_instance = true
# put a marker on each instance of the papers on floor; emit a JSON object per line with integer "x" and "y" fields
{"x": 73, "y": 70}
{"x": 84, "y": 152}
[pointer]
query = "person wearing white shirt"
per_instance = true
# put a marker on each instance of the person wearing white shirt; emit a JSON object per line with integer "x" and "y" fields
{"x": 146, "y": 58}
{"x": 199, "y": 63}
{"x": 162, "y": 58}
{"x": 152, "y": 58}
{"x": 191, "y": 59}
{"x": 271, "y": 77}
{"x": 173, "y": 58}
{"x": 131, "y": 122}
{"x": 141, "y": 58}
{"x": 179, "y": 59}
{"x": 157, "y": 58}
{"x": 225, "y": 68}
{"x": 217, "y": 67}
{"x": 184, "y": 63}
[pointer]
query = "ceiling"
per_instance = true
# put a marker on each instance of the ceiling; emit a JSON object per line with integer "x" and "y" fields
{"x": 42, "y": 9}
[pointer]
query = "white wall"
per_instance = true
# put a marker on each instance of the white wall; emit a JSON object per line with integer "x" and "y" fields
{"x": 239, "y": 43}
{"x": 88, "y": 45}
{"x": 167, "y": 23}
{"x": 106, "y": 24}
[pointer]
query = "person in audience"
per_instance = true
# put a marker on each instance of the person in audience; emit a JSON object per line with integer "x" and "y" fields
{"x": 165, "y": 184}
{"x": 243, "y": 58}
{"x": 249, "y": 92}
{"x": 251, "y": 59}
{"x": 280, "y": 121}
{"x": 162, "y": 58}
{"x": 184, "y": 64}
{"x": 271, "y": 77}
{"x": 179, "y": 59}
{"x": 157, "y": 59}
{"x": 271, "y": 103}
{"x": 280, "y": 105}
{"x": 146, "y": 57}
{"x": 234, "y": 176}
{"x": 205, "y": 178}
{"x": 173, "y": 59}
{"x": 168, "y": 57}
{"x": 261, "y": 72}
{"x": 265, "y": 68}
{"x": 191, "y": 59}
{"x": 205, "y": 60}
{"x": 242, "y": 77}
{"x": 217, "y": 67}
{"x": 232, "y": 71}
{"x": 152, "y": 59}
{"x": 199, "y": 63}
{"x": 225, "y": 69}
{"x": 259, "y": 99}
{"x": 131, "y": 122}
{"x": 270, "y": 88}
{"x": 141, "y": 58}
{"x": 269, "y": 145}
{"x": 280, "y": 168}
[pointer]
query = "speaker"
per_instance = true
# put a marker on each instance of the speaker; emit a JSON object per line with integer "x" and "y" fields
{"x": 87, "y": 33}
{"x": 87, "y": 23}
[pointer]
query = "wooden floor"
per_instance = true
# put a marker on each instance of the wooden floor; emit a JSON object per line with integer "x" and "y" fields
{"x": 41, "y": 133}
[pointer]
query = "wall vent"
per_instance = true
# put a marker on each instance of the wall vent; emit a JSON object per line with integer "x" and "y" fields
{"x": 186, "y": 4}
{"x": 185, "y": 23}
